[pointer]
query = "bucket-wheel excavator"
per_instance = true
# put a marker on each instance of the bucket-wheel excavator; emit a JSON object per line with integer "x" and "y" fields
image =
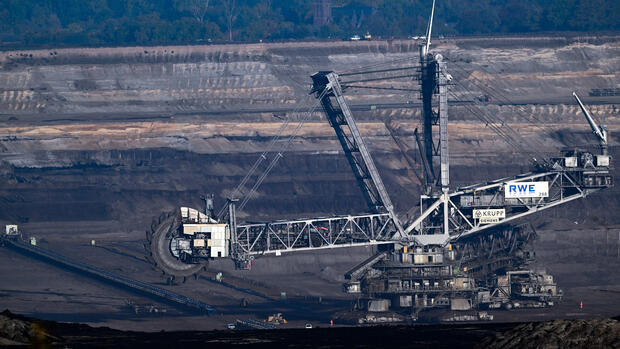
{"x": 468, "y": 246}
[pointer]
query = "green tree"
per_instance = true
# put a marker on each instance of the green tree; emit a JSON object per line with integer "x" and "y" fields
{"x": 120, "y": 22}
{"x": 197, "y": 8}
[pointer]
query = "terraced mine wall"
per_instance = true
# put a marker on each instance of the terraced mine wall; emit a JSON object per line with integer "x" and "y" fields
{"x": 95, "y": 143}
{"x": 100, "y": 140}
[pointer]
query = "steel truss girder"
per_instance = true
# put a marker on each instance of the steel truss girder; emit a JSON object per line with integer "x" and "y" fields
{"x": 339, "y": 115}
{"x": 564, "y": 186}
{"x": 374, "y": 229}
{"x": 315, "y": 233}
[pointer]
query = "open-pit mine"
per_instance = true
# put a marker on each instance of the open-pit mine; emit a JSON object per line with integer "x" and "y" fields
{"x": 351, "y": 209}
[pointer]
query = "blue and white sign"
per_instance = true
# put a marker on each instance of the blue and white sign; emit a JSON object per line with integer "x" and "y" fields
{"x": 515, "y": 190}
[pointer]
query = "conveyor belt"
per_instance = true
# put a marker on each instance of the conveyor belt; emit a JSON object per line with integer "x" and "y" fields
{"x": 359, "y": 270}
{"x": 252, "y": 324}
{"x": 118, "y": 280}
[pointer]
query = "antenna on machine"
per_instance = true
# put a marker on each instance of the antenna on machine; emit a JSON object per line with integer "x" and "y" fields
{"x": 429, "y": 29}
{"x": 208, "y": 205}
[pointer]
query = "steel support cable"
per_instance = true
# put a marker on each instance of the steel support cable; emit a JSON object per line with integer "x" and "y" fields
{"x": 521, "y": 112}
{"x": 542, "y": 125}
{"x": 369, "y": 72}
{"x": 380, "y": 88}
{"x": 258, "y": 161}
{"x": 501, "y": 131}
{"x": 492, "y": 123}
{"x": 533, "y": 145}
{"x": 381, "y": 78}
{"x": 516, "y": 136}
{"x": 363, "y": 68}
{"x": 497, "y": 91}
{"x": 379, "y": 71}
{"x": 498, "y": 130}
{"x": 507, "y": 99}
{"x": 279, "y": 155}
{"x": 263, "y": 155}
{"x": 360, "y": 69}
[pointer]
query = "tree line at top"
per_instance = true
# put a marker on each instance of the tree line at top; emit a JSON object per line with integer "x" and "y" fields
{"x": 144, "y": 22}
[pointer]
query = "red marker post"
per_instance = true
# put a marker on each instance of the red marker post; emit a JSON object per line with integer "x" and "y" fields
{"x": 581, "y": 305}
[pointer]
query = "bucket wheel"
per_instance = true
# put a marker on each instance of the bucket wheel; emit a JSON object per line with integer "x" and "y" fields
{"x": 163, "y": 230}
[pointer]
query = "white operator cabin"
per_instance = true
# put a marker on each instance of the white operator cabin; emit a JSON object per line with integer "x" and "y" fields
{"x": 214, "y": 236}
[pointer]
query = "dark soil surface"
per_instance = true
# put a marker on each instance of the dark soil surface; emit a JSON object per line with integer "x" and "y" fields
{"x": 597, "y": 333}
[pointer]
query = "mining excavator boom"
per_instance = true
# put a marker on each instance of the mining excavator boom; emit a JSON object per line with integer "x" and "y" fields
{"x": 458, "y": 246}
